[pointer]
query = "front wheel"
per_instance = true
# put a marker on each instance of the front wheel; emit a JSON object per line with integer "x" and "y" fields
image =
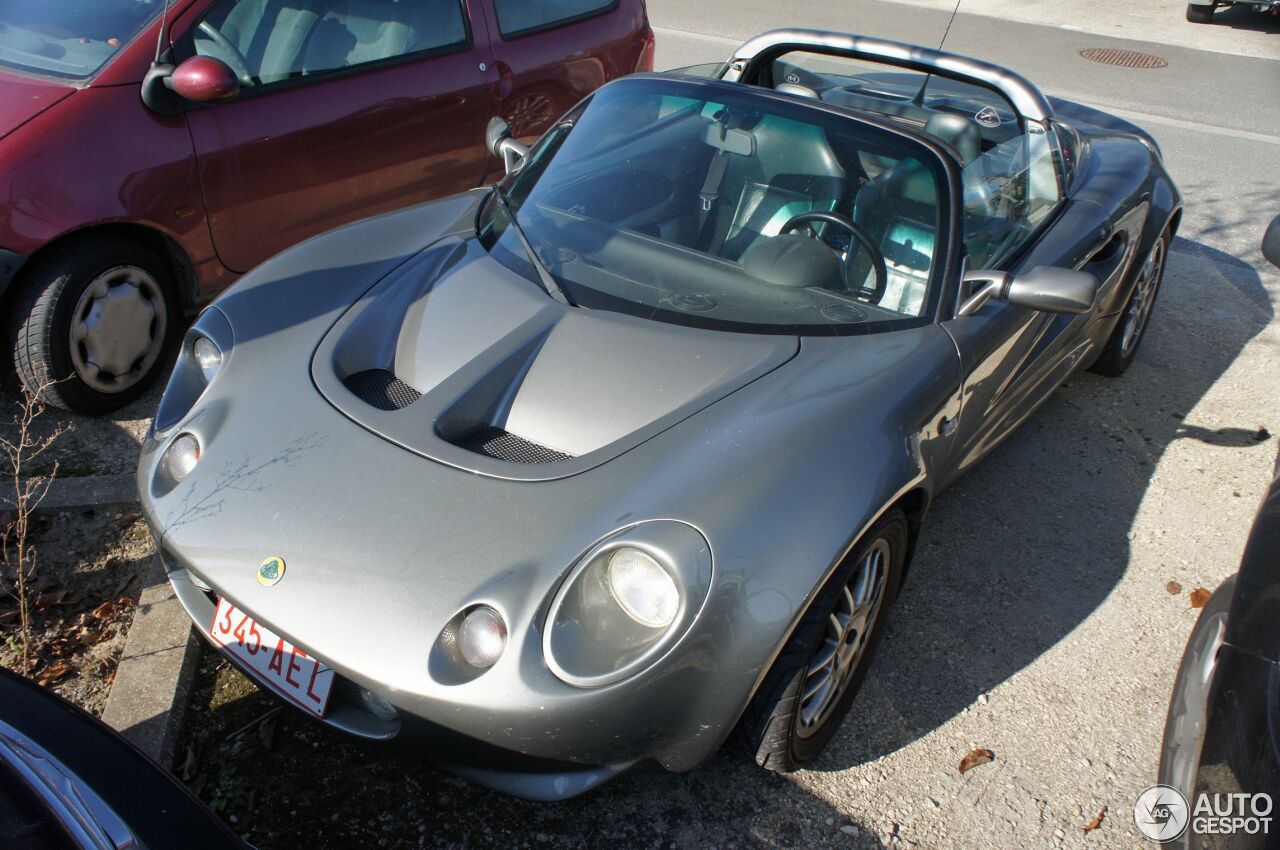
{"x": 808, "y": 691}
{"x": 1198, "y": 14}
{"x": 1122, "y": 345}
{"x": 91, "y": 324}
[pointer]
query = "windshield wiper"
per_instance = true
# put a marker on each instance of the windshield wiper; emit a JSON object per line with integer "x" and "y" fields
{"x": 548, "y": 282}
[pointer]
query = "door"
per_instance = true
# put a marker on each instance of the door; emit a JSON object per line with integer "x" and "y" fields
{"x": 550, "y": 55}
{"x": 348, "y": 108}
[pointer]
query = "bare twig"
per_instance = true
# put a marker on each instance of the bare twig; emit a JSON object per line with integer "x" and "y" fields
{"x": 19, "y": 555}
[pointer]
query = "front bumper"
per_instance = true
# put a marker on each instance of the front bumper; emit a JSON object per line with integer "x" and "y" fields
{"x": 503, "y": 770}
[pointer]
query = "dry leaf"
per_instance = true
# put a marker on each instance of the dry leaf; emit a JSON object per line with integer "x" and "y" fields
{"x": 1174, "y": 588}
{"x": 105, "y": 611}
{"x": 1199, "y": 597}
{"x": 53, "y": 673}
{"x": 191, "y": 764}
{"x": 975, "y": 758}
{"x": 1096, "y": 822}
{"x": 120, "y": 523}
{"x": 48, "y": 600}
{"x": 267, "y": 732}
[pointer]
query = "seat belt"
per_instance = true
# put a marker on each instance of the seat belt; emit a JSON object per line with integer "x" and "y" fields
{"x": 710, "y": 195}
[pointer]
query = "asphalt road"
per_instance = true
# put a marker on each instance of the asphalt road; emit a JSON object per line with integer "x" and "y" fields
{"x": 1036, "y": 621}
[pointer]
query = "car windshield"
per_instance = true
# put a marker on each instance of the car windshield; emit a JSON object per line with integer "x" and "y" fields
{"x": 717, "y": 205}
{"x": 69, "y": 38}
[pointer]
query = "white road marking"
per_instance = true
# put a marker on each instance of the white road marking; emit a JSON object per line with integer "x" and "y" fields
{"x": 1128, "y": 114}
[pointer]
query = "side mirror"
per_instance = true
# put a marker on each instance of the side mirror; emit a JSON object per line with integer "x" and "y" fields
{"x": 1271, "y": 242}
{"x": 497, "y": 137}
{"x": 204, "y": 79}
{"x": 1046, "y": 288}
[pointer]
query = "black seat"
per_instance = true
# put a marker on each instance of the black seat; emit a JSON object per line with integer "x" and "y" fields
{"x": 791, "y": 170}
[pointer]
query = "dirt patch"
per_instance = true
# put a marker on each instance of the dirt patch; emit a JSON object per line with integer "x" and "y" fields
{"x": 95, "y": 445}
{"x": 88, "y": 575}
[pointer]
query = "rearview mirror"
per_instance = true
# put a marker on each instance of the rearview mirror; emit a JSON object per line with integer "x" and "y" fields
{"x": 1046, "y": 288}
{"x": 497, "y": 137}
{"x": 1271, "y": 242}
{"x": 204, "y": 79}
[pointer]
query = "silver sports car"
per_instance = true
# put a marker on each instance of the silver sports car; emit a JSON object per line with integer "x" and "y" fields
{"x": 628, "y": 453}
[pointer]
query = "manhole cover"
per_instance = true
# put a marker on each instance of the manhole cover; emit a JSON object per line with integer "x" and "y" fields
{"x": 1123, "y": 58}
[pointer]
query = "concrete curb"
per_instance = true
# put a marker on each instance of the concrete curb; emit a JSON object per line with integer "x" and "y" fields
{"x": 99, "y": 492}
{"x": 148, "y": 700}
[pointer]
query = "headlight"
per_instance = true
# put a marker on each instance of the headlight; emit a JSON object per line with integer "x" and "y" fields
{"x": 626, "y": 602}
{"x": 202, "y": 357}
{"x": 208, "y": 358}
{"x": 181, "y": 457}
{"x": 642, "y": 588}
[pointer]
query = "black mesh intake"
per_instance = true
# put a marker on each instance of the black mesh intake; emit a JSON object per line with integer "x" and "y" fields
{"x": 504, "y": 445}
{"x": 381, "y": 389}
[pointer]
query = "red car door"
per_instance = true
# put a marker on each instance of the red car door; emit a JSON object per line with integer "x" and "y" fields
{"x": 551, "y": 54}
{"x": 348, "y": 108}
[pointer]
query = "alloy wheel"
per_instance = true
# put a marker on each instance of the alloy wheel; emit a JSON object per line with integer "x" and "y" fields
{"x": 849, "y": 629}
{"x": 1144, "y": 298}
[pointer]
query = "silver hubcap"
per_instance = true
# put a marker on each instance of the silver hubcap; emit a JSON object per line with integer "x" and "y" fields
{"x": 848, "y": 629}
{"x": 1144, "y": 296}
{"x": 118, "y": 329}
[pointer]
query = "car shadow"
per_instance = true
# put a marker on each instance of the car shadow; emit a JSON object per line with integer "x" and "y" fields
{"x": 1023, "y": 549}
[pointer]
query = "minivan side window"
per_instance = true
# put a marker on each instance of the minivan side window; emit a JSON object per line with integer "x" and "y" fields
{"x": 267, "y": 41}
{"x": 518, "y": 17}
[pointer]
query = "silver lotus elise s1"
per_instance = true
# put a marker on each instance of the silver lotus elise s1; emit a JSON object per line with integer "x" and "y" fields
{"x": 628, "y": 453}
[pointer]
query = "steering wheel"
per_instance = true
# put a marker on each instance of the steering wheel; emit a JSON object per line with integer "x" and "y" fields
{"x": 877, "y": 257}
{"x": 239, "y": 64}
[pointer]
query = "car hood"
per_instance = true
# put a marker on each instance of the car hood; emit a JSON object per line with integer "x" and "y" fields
{"x": 459, "y": 359}
{"x": 23, "y": 98}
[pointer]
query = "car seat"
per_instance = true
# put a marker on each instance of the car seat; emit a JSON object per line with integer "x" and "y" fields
{"x": 268, "y": 34}
{"x": 791, "y": 170}
{"x": 354, "y": 32}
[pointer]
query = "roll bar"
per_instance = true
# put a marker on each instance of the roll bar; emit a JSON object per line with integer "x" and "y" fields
{"x": 1028, "y": 100}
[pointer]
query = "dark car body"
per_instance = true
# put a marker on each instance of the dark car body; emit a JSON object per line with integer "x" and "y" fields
{"x": 219, "y": 187}
{"x": 1222, "y": 736}
{"x": 339, "y": 432}
{"x": 69, "y": 781}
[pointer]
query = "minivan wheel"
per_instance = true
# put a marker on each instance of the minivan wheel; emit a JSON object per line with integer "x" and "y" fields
{"x": 808, "y": 691}
{"x": 92, "y": 324}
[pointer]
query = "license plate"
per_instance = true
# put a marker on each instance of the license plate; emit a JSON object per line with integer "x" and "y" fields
{"x": 285, "y": 667}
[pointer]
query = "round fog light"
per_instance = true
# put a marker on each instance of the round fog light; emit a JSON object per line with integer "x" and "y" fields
{"x": 643, "y": 588}
{"x": 181, "y": 457}
{"x": 377, "y": 705}
{"x": 482, "y": 637}
{"x": 207, "y": 357}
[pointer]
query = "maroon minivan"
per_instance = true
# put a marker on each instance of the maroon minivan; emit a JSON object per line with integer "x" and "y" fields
{"x": 134, "y": 188}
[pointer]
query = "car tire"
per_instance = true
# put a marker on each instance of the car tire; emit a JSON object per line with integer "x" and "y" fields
{"x": 1185, "y": 725}
{"x": 1197, "y": 14}
{"x": 782, "y": 728}
{"x": 93, "y": 323}
{"x": 1121, "y": 347}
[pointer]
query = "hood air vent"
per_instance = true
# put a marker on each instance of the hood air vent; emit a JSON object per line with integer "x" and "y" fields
{"x": 381, "y": 389}
{"x": 503, "y": 445}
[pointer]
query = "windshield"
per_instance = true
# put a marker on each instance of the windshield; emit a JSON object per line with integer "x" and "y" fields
{"x": 69, "y": 38}
{"x": 709, "y": 204}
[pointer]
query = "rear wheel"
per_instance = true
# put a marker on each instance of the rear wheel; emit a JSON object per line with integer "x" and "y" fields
{"x": 1122, "y": 345}
{"x": 808, "y": 691}
{"x": 1200, "y": 14}
{"x": 92, "y": 322}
